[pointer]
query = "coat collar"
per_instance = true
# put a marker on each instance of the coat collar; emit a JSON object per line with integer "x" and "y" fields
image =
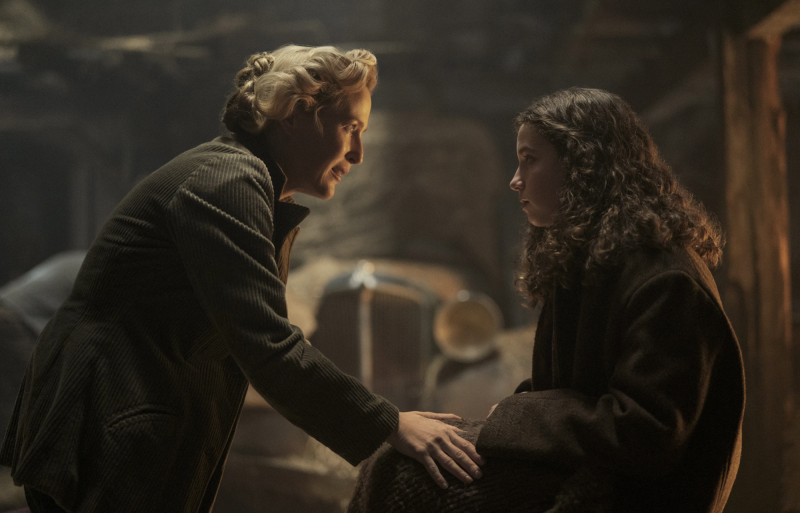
{"x": 288, "y": 214}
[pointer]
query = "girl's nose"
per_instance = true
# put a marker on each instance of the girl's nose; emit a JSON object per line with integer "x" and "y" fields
{"x": 516, "y": 182}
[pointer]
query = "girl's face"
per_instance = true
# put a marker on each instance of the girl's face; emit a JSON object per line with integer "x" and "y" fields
{"x": 539, "y": 177}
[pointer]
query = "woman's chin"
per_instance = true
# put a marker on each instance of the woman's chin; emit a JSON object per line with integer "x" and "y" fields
{"x": 323, "y": 192}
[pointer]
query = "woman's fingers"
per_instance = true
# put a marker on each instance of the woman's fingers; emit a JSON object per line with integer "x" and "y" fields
{"x": 428, "y": 440}
{"x": 437, "y": 416}
{"x": 468, "y": 456}
{"x": 433, "y": 469}
{"x": 440, "y": 454}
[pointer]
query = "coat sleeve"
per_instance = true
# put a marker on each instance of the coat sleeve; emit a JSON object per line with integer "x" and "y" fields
{"x": 672, "y": 332}
{"x": 221, "y": 220}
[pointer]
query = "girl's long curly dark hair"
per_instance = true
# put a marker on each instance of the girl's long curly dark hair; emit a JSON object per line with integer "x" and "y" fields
{"x": 618, "y": 194}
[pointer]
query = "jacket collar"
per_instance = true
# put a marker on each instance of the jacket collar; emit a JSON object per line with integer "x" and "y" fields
{"x": 288, "y": 214}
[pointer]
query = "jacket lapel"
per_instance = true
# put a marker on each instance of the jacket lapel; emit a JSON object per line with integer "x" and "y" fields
{"x": 287, "y": 214}
{"x": 542, "y": 376}
{"x": 566, "y": 311}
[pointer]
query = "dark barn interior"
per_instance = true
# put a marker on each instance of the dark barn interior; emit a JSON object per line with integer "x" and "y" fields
{"x": 95, "y": 95}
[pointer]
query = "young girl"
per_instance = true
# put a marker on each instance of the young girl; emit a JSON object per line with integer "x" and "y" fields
{"x": 636, "y": 398}
{"x": 636, "y": 370}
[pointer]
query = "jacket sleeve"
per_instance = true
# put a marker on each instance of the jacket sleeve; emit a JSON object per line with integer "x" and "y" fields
{"x": 672, "y": 331}
{"x": 221, "y": 220}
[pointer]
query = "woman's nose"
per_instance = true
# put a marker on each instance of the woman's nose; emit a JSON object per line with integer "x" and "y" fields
{"x": 356, "y": 154}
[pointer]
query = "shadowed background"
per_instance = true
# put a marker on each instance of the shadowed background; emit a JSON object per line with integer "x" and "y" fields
{"x": 94, "y": 95}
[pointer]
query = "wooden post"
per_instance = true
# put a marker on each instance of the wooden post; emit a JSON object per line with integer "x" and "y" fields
{"x": 758, "y": 292}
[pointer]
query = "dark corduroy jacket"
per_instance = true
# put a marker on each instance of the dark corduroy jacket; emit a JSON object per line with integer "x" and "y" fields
{"x": 131, "y": 398}
{"x": 640, "y": 375}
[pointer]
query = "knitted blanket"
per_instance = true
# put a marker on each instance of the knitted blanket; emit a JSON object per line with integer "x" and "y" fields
{"x": 390, "y": 482}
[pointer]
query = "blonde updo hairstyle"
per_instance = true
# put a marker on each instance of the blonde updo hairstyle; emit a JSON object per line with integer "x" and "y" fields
{"x": 272, "y": 85}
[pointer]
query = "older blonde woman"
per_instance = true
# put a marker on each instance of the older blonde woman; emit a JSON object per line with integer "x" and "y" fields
{"x": 133, "y": 392}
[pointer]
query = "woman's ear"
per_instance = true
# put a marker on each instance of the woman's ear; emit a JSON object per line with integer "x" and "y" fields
{"x": 289, "y": 123}
{"x": 298, "y": 122}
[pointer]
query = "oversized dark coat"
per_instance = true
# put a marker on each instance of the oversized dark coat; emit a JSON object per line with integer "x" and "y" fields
{"x": 132, "y": 395}
{"x": 639, "y": 375}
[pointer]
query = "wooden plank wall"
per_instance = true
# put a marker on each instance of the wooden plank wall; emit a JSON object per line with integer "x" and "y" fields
{"x": 758, "y": 291}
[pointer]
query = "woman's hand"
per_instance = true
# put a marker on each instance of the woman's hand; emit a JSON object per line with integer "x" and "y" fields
{"x": 422, "y": 436}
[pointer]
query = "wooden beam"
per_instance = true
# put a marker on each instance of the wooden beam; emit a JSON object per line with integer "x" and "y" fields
{"x": 686, "y": 51}
{"x": 778, "y": 22}
{"x": 739, "y": 16}
{"x": 757, "y": 261}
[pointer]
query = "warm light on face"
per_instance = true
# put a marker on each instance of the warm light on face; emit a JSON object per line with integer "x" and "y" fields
{"x": 321, "y": 159}
{"x": 539, "y": 176}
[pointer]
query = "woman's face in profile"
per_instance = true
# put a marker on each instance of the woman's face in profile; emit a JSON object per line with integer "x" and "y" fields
{"x": 539, "y": 177}
{"x": 317, "y": 161}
